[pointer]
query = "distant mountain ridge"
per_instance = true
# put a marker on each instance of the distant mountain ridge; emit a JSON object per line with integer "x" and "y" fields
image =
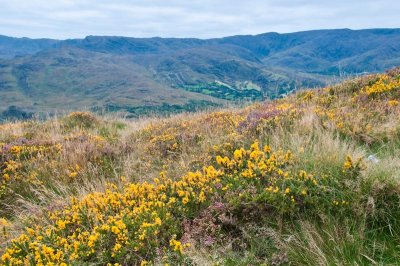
{"x": 131, "y": 74}
{"x": 11, "y": 47}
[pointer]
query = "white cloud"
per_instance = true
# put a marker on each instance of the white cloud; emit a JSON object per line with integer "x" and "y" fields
{"x": 182, "y": 18}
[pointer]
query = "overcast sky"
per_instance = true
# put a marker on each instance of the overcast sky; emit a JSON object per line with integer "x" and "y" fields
{"x": 64, "y": 19}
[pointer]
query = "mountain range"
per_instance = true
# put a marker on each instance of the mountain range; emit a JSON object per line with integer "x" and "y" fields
{"x": 142, "y": 75}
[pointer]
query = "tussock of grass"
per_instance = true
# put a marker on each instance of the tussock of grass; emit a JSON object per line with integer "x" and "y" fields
{"x": 312, "y": 179}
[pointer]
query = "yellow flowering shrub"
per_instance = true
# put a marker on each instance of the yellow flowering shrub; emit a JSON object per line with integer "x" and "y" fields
{"x": 167, "y": 143}
{"x": 384, "y": 84}
{"x": 4, "y": 229}
{"x": 269, "y": 180}
{"x": 393, "y": 103}
{"x": 16, "y": 161}
{"x": 371, "y": 101}
{"x": 84, "y": 120}
{"x": 140, "y": 221}
{"x": 353, "y": 167}
{"x": 114, "y": 226}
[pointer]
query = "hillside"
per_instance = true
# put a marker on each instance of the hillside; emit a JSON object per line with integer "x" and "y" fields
{"x": 138, "y": 76}
{"x": 310, "y": 179}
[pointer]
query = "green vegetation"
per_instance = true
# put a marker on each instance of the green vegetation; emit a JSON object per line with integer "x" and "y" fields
{"x": 310, "y": 179}
{"x": 224, "y": 91}
{"x": 164, "y": 109}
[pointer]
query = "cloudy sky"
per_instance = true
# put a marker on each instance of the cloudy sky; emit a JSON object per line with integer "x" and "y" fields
{"x": 63, "y": 19}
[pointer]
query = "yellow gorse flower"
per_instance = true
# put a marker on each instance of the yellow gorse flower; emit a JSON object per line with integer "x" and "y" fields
{"x": 348, "y": 164}
{"x": 383, "y": 85}
{"x": 131, "y": 219}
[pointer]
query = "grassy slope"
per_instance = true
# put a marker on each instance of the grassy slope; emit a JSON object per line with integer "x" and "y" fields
{"x": 341, "y": 207}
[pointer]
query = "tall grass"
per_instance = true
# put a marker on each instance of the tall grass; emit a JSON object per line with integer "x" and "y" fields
{"x": 340, "y": 205}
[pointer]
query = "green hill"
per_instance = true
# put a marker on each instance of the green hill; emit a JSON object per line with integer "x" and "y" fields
{"x": 139, "y": 75}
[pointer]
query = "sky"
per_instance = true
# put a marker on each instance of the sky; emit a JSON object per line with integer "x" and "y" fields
{"x": 63, "y": 19}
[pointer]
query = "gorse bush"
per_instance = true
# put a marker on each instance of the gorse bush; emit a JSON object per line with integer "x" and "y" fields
{"x": 17, "y": 161}
{"x": 371, "y": 101}
{"x": 142, "y": 221}
{"x": 385, "y": 85}
{"x": 81, "y": 120}
{"x": 266, "y": 180}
